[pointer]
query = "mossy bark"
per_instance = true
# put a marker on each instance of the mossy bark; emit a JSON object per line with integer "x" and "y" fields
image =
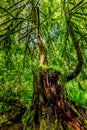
{"x": 51, "y": 109}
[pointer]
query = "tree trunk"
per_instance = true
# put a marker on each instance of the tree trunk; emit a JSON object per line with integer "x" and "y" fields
{"x": 51, "y": 110}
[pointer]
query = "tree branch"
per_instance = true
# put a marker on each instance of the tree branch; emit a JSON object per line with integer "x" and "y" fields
{"x": 78, "y": 51}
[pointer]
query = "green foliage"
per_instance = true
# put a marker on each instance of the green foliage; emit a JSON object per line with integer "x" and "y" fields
{"x": 4, "y": 108}
{"x": 77, "y": 91}
{"x": 19, "y": 53}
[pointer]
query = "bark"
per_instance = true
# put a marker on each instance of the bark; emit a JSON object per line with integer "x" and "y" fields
{"x": 51, "y": 106}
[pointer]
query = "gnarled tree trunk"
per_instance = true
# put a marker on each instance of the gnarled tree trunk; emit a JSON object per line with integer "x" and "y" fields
{"x": 51, "y": 108}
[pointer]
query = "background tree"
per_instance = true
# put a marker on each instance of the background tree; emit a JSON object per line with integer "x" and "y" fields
{"x": 42, "y": 37}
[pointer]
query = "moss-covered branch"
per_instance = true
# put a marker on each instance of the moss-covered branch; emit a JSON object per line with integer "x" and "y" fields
{"x": 78, "y": 51}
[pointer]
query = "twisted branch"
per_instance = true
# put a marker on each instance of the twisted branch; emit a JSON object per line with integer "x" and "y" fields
{"x": 78, "y": 51}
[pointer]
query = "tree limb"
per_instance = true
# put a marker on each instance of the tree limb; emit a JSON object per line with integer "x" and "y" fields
{"x": 78, "y": 51}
